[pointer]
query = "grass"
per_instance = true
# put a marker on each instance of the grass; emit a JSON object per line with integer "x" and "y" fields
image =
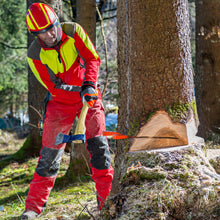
{"x": 72, "y": 201}
{"x": 180, "y": 193}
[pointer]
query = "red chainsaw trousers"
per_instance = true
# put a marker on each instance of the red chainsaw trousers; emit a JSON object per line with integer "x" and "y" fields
{"x": 59, "y": 118}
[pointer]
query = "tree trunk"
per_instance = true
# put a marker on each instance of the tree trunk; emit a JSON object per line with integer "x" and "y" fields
{"x": 36, "y": 94}
{"x": 207, "y": 78}
{"x": 73, "y": 7}
{"x": 86, "y": 16}
{"x": 155, "y": 68}
{"x": 79, "y": 157}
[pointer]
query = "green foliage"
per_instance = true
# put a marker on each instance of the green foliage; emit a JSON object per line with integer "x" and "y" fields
{"x": 13, "y": 71}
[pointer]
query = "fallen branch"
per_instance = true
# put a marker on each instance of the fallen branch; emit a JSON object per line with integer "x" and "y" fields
{"x": 84, "y": 207}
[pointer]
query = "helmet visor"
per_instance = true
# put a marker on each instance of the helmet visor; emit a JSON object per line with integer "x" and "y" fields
{"x": 56, "y": 23}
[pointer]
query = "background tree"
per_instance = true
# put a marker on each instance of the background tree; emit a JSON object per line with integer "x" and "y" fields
{"x": 207, "y": 77}
{"x": 79, "y": 157}
{"x": 13, "y": 84}
{"x": 154, "y": 67}
{"x": 36, "y": 94}
{"x": 107, "y": 48}
{"x": 86, "y": 16}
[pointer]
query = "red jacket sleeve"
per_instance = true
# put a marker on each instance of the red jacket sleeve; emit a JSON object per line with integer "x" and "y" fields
{"x": 89, "y": 55}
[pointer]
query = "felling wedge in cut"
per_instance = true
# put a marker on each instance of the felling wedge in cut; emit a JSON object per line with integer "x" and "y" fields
{"x": 161, "y": 125}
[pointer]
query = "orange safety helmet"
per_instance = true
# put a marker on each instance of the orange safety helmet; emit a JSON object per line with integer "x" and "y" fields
{"x": 40, "y": 18}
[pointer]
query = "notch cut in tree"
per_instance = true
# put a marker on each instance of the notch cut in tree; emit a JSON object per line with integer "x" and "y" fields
{"x": 161, "y": 125}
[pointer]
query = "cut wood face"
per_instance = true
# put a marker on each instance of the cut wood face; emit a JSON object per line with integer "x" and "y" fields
{"x": 160, "y": 125}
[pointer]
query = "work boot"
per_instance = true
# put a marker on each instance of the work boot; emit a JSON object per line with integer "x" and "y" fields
{"x": 29, "y": 214}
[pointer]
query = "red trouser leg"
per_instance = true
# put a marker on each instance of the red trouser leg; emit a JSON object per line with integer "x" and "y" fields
{"x": 59, "y": 118}
{"x": 97, "y": 145}
{"x": 103, "y": 180}
{"x": 39, "y": 191}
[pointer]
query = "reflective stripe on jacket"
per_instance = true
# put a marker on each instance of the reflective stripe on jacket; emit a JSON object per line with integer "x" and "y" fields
{"x": 59, "y": 69}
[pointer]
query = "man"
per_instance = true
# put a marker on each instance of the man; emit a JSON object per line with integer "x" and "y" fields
{"x": 66, "y": 63}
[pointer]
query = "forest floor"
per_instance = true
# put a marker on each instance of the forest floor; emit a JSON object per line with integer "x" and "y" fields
{"x": 73, "y": 201}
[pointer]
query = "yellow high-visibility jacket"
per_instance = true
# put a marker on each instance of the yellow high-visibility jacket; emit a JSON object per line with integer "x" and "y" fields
{"x": 63, "y": 69}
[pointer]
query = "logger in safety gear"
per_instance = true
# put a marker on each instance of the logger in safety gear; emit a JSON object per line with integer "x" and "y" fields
{"x": 65, "y": 62}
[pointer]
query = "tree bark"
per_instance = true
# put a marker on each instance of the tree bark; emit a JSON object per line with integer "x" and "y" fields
{"x": 73, "y": 7}
{"x": 79, "y": 157}
{"x": 154, "y": 67}
{"x": 207, "y": 78}
{"x": 86, "y": 16}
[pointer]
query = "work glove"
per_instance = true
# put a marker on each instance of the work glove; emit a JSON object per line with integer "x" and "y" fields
{"x": 89, "y": 94}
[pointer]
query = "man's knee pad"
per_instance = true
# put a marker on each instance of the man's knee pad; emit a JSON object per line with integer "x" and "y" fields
{"x": 99, "y": 151}
{"x": 49, "y": 162}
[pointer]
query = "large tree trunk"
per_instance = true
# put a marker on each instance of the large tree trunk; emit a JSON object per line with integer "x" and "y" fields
{"x": 207, "y": 78}
{"x": 155, "y": 68}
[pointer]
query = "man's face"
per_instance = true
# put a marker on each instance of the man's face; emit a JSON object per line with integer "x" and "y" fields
{"x": 49, "y": 37}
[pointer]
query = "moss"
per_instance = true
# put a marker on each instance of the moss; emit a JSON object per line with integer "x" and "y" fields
{"x": 20, "y": 153}
{"x": 152, "y": 174}
{"x": 83, "y": 216}
{"x": 171, "y": 166}
{"x": 143, "y": 173}
{"x": 178, "y": 194}
{"x": 70, "y": 177}
{"x": 146, "y": 159}
{"x": 127, "y": 145}
{"x": 179, "y": 111}
{"x": 185, "y": 176}
{"x": 134, "y": 127}
{"x": 191, "y": 151}
{"x": 194, "y": 108}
